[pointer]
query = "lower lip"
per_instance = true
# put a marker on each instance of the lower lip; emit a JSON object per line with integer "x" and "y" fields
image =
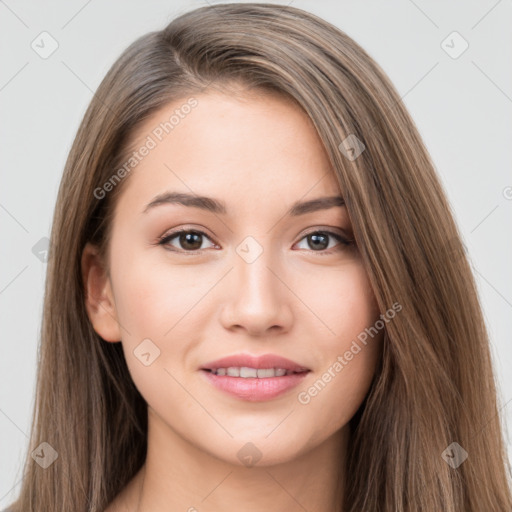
{"x": 253, "y": 389}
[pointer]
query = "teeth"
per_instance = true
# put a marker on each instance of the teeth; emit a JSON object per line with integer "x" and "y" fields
{"x": 247, "y": 373}
{"x": 233, "y": 372}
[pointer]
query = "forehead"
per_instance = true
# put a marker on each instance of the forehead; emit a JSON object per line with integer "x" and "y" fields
{"x": 249, "y": 147}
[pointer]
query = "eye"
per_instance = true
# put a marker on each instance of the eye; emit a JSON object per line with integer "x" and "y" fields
{"x": 190, "y": 240}
{"x": 320, "y": 241}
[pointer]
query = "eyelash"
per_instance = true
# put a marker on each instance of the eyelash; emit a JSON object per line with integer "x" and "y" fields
{"x": 165, "y": 239}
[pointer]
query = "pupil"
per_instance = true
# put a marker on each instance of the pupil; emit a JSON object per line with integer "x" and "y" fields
{"x": 186, "y": 239}
{"x": 315, "y": 239}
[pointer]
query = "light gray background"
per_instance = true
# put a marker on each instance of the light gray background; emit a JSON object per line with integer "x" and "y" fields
{"x": 462, "y": 108}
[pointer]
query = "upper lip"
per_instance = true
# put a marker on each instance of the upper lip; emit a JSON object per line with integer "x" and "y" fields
{"x": 258, "y": 362}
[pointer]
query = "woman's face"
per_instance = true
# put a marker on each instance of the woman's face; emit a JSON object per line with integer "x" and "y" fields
{"x": 248, "y": 278}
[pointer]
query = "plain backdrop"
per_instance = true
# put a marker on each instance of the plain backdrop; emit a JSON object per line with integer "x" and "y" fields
{"x": 462, "y": 105}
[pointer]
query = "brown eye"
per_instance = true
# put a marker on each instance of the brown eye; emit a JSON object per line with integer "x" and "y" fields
{"x": 188, "y": 240}
{"x": 319, "y": 241}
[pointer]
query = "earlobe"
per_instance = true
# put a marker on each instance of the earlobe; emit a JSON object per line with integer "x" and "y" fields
{"x": 99, "y": 299}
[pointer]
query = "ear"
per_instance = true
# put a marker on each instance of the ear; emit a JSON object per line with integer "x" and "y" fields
{"x": 99, "y": 299}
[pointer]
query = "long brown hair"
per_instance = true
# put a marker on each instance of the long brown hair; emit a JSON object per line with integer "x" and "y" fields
{"x": 434, "y": 385}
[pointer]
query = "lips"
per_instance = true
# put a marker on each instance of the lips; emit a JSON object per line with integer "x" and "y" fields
{"x": 254, "y": 379}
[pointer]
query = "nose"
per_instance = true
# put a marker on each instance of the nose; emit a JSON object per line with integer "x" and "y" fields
{"x": 257, "y": 299}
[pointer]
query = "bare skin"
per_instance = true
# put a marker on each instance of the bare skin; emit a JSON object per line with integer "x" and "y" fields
{"x": 259, "y": 154}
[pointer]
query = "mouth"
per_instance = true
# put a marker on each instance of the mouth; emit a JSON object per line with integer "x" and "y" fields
{"x": 245, "y": 372}
{"x": 254, "y": 379}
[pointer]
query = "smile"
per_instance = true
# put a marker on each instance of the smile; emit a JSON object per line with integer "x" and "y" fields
{"x": 247, "y": 373}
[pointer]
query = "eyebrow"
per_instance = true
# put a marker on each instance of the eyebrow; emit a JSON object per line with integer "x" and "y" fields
{"x": 215, "y": 206}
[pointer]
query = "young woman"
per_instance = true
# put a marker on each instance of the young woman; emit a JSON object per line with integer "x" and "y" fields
{"x": 257, "y": 297}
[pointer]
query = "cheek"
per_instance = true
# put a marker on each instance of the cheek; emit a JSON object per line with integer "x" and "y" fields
{"x": 151, "y": 305}
{"x": 151, "y": 298}
{"x": 349, "y": 349}
{"x": 161, "y": 303}
{"x": 343, "y": 302}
